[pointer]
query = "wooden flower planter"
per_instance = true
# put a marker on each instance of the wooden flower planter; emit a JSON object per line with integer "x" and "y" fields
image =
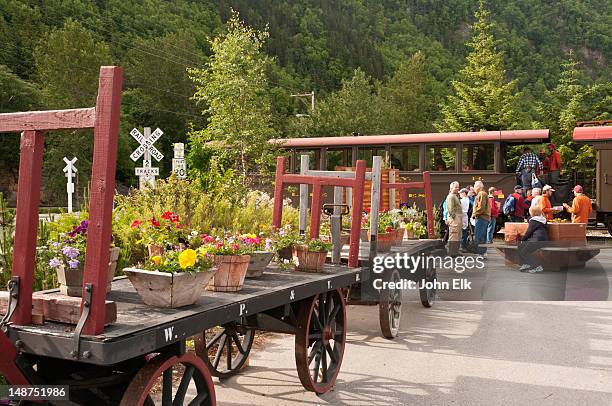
{"x": 309, "y": 261}
{"x": 258, "y": 263}
{"x": 574, "y": 232}
{"x": 385, "y": 241}
{"x": 231, "y": 271}
{"x": 71, "y": 280}
{"x": 170, "y": 290}
{"x": 570, "y": 232}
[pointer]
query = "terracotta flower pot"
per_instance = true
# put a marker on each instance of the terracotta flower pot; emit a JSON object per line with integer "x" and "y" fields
{"x": 365, "y": 235}
{"x": 399, "y": 235}
{"x": 170, "y": 290}
{"x": 71, "y": 280}
{"x": 384, "y": 241}
{"x": 231, "y": 271}
{"x": 285, "y": 253}
{"x": 410, "y": 234}
{"x": 155, "y": 250}
{"x": 258, "y": 263}
{"x": 309, "y": 261}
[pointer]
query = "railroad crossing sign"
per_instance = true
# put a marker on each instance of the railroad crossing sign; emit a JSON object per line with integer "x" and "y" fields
{"x": 178, "y": 162}
{"x": 146, "y": 149}
{"x": 70, "y": 172}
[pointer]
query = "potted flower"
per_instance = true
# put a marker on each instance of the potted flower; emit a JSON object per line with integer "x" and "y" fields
{"x": 69, "y": 256}
{"x": 173, "y": 279}
{"x": 231, "y": 258}
{"x": 165, "y": 232}
{"x": 311, "y": 255}
{"x": 283, "y": 241}
{"x": 260, "y": 251}
{"x": 386, "y": 234}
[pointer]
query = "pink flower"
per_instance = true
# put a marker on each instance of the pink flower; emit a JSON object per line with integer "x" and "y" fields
{"x": 136, "y": 223}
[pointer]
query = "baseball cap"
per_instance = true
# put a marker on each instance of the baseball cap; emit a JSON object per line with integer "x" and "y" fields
{"x": 464, "y": 190}
{"x": 547, "y": 187}
{"x": 578, "y": 189}
{"x": 518, "y": 187}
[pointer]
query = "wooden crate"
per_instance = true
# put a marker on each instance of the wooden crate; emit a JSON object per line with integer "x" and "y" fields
{"x": 367, "y": 195}
{"x": 574, "y": 232}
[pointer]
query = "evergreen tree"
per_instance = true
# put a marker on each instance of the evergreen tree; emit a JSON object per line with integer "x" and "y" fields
{"x": 235, "y": 89}
{"x": 482, "y": 98}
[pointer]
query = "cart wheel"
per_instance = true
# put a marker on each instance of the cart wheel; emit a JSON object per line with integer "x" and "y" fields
{"x": 428, "y": 295}
{"x": 390, "y": 306}
{"x": 319, "y": 339}
{"x": 227, "y": 351}
{"x": 153, "y": 384}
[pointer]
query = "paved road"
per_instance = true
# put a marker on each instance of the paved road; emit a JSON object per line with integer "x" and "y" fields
{"x": 457, "y": 353}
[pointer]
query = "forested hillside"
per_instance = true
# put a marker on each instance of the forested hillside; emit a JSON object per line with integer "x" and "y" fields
{"x": 403, "y": 52}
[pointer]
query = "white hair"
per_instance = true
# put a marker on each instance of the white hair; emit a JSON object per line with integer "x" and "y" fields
{"x": 478, "y": 184}
{"x": 536, "y": 191}
{"x": 453, "y": 183}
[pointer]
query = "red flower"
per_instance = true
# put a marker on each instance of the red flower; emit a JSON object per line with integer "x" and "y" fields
{"x": 174, "y": 218}
{"x": 135, "y": 223}
{"x": 389, "y": 229}
{"x": 167, "y": 215}
{"x": 219, "y": 244}
{"x": 235, "y": 246}
{"x": 154, "y": 223}
{"x": 207, "y": 238}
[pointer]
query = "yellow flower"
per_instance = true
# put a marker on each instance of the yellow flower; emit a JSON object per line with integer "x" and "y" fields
{"x": 187, "y": 258}
{"x": 156, "y": 259}
{"x": 251, "y": 235}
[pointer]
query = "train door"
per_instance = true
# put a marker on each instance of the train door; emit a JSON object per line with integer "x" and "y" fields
{"x": 604, "y": 181}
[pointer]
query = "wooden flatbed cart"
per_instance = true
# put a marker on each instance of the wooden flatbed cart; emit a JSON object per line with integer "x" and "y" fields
{"x": 142, "y": 358}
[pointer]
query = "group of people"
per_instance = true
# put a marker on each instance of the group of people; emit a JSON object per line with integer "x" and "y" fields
{"x": 536, "y": 170}
{"x": 473, "y": 204}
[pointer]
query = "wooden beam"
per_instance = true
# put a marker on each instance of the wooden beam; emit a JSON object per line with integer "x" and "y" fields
{"x": 47, "y": 120}
{"x": 277, "y": 213}
{"x": 106, "y": 136}
{"x": 26, "y": 224}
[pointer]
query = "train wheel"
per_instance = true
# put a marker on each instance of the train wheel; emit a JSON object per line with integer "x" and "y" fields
{"x": 155, "y": 383}
{"x": 390, "y": 306}
{"x": 428, "y": 293}
{"x": 227, "y": 351}
{"x": 319, "y": 340}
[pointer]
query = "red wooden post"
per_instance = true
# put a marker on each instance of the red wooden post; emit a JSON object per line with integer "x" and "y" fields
{"x": 277, "y": 212}
{"x": 358, "y": 191}
{"x": 106, "y": 130}
{"x": 9, "y": 369}
{"x": 26, "y": 227}
{"x": 429, "y": 205}
{"x": 315, "y": 210}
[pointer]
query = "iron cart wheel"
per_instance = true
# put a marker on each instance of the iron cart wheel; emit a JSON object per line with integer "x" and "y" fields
{"x": 227, "y": 351}
{"x": 153, "y": 384}
{"x": 390, "y": 305}
{"x": 428, "y": 294}
{"x": 319, "y": 340}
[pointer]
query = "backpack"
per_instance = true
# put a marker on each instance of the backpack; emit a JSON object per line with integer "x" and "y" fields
{"x": 509, "y": 205}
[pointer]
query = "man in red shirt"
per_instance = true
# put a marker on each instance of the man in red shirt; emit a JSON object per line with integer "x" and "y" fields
{"x": 519, "y": 205}
{"x": 555, "y": 164}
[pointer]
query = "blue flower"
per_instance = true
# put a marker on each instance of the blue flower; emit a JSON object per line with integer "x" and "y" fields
{"x": 73, "y": 263}
{"x": 71, "y": 252}
{"x": 55, "y": 263}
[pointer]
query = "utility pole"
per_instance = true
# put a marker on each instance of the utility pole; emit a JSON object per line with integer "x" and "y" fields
{"x": 312, "y": 102}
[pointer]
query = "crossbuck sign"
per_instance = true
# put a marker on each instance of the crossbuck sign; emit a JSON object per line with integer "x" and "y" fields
{"x": 146, "y": 149}
{"x": 70, "y": 172}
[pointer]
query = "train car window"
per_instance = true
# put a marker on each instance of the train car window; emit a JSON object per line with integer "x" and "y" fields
{"x": 368, "y": 152}
{"x": 314, "y": 156}
{"x": 441, "y": 158}
{"x": 405, "y": 158}
{"x": 478, "y": 157}
{"x": 337, "y": 157}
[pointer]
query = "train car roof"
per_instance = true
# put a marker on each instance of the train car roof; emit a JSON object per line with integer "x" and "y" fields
{"x": 601, "y": 133}
{"x": 513, "y": 136}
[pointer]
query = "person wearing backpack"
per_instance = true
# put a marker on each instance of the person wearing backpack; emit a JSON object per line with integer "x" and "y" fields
{"x": 517, "y": 211}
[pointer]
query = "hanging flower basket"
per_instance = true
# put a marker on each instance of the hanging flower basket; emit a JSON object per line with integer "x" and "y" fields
{"x": 71, "y": 280}
{"x": 170, "y": 290}
{"x": 309, "y": 261}
{"x": 231, "y": 271}
{"x": 258, "y": 263}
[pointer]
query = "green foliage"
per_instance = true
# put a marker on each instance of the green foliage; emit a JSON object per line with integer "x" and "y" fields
{"x": 234, "y": 88}
{"x": 7, "y": 226}
{"x": 482, "y": 99}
